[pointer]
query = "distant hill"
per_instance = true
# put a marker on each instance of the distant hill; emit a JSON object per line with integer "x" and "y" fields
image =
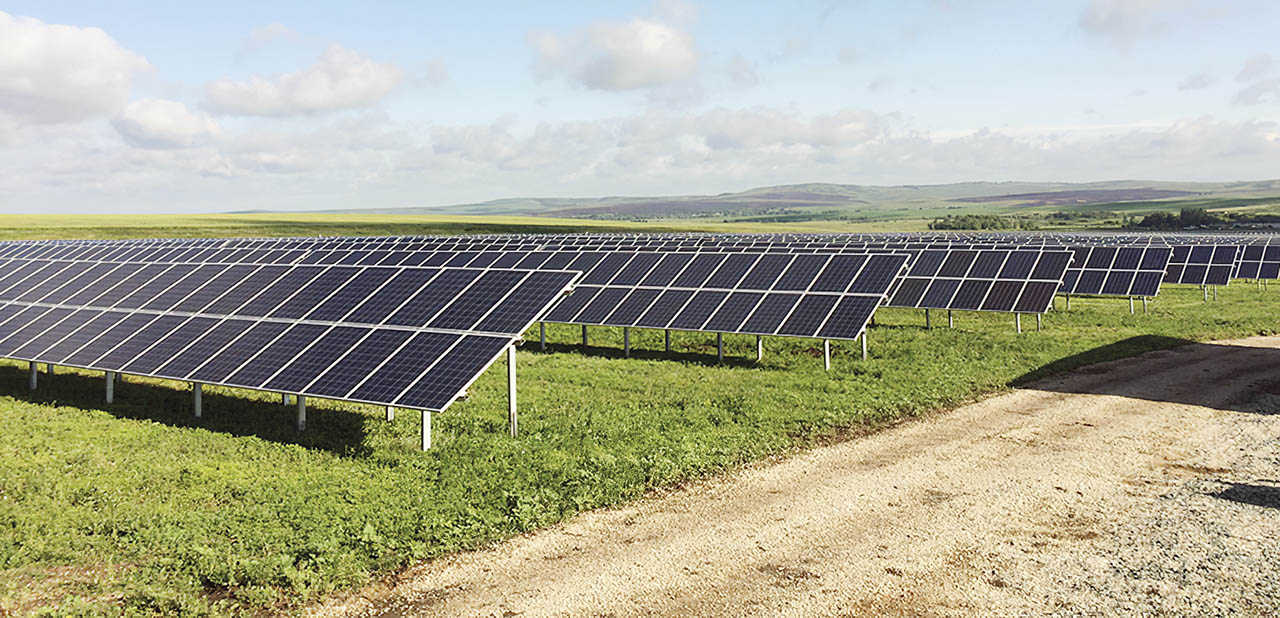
{"x": 868, "y": 202}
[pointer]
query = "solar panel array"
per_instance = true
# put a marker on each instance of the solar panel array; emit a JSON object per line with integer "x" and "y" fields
{"x": 411, "y": 321}
{"x": 829, "y": 296}
{"x": 1202, "y": 264}
{"x": 1259, "y": 261}
{"x": 412, "y": 337}
{"x": 1020, "y": 281}
{"x": 1116, "y": 271}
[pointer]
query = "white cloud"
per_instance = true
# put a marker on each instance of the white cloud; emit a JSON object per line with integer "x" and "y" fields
{"x": 742, "y": 72}
{"x": 341, "y": 79}
{"x": 368, "y": 160}
{"x": 848, "y": 56}
{"x": 635, "y": 55}
{"x": 1264, "y": 91}
{"x": 1198, "y": 81}
{"x": 52, "y": 73}
{"x": 161, "y": 124}
{"x": 272, "y": 32}
{"x": 1254, "y": 68}
{"x": 1122, "y": 21}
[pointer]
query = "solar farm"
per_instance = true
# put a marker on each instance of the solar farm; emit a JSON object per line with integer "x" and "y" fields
{"x": 643, "y": 360}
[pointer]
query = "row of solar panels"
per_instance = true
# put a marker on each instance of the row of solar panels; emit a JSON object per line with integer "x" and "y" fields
{"x": 697, "y": 237}
{"x": 411, "y": 337}
{"x": 413, "y": 327}
{"x": 1254, "y": 261}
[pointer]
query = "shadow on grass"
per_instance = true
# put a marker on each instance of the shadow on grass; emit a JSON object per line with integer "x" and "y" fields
{"x": 692, "y": 358}
{"x": 1265, "y": 496}
{"x": 1146, "y": 360}
{"x": 337, "y": 431}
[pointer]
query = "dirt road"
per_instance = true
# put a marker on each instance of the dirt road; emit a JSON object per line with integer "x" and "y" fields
{"x": 1149, "y": 485}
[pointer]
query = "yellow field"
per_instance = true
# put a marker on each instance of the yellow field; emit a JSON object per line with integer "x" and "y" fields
{"x": 304, "y": 224}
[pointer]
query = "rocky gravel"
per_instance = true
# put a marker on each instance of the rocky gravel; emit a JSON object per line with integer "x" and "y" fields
{"x": 1149, "y": 486}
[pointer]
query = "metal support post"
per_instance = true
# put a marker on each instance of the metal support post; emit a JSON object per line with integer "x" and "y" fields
{"x": 666, "y": 341}
{"x": 1144, "y": 305}
{"x": 49, "y": 367}
{"x": 951, "y": 321}
{"x": 197, "y": 403}
{"x": 33, "y": 374}
{"x": 626, "y": 341}
{"x": 302, "y": 412}
{"x": 284, "y": 399}
{"x": 391, "y": 413}
{"x": 1068, "y": 302}
{"x": 111, "y": 386}
{"x": 1215, "y": 299}
{"x": 584, "y": 336}
{"x": 1017, "y": 320}
{"x": 511, "y": 390}
{"x": 864, "y": 345}
{"x": 826, "y": 354}
{"x": 927, "y": 324}
{"x": 542, "y": 336}
{"x": 1038, "y": 325}
{"x": 1206, "y": 293}
{"x": 720, "y": 347}
{"x": 1130, "y": 305}
{"x": 759, "y": 348}
{"x": 426, "y": 429}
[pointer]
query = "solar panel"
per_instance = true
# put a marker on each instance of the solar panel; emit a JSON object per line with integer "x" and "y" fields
{"x": 1202, "y": 264}
{"x": 1259, "y": 261}
{"x": 1021, "y": 280}
{"x": 1116, "y": 271}
{"x": 762, "y": 296}
{"x": 278, "y": 327}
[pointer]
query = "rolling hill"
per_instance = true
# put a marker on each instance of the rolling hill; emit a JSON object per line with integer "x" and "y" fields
{"x": 817, "y": 201}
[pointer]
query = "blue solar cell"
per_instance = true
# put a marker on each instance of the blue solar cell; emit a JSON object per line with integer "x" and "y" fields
{"x": 404, "y": 368}
{"x": 306, "y": 366}
{"x": 177, "y": 339}
{"x": 433, "y": 297}
{"x": 358, "y": 363}
{"x": 355, "y": 291}
{"x": 205, "y": 347}
{"x": 445, "y": 381}
{"x": 217, "y": 368}
{"x": 568, "y": 308}
{"x": 849, "y": 318}
{"x": 478, "y": 300}
{"x": 289, "y": 345}
{"x": 909, "y": 292}
{"x": 770, "y": 313}
{"x": 312, "y": 294}
{"x": 664, "y": 309}
{"x": 696, "y": 312}
{"x": 731, "y": 314}
{"x": 699, "y": 270}
{"x": 808, "y": 316}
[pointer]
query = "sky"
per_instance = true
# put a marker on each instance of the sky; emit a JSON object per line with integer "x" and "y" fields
{"x": 144, "y": 107}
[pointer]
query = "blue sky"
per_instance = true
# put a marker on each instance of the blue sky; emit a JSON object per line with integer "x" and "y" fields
{"x": 178, "y": 107}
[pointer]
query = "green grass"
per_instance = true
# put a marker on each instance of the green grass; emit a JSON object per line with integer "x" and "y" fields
{"x": 138, "y": 508}
{"x": 24, "y": 227}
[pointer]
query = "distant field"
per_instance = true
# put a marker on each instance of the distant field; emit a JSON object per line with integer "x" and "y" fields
{"x": 16, "y": 227}
{"x": 138, "y": 507}
{"x": 906, "y": 207}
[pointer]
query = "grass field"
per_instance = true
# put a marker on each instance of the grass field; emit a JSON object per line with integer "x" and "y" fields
{"x": 138, "y": 506}
{"x": 22, "y": 227}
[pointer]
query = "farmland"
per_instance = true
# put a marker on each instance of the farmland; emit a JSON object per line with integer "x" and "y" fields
{"x": 136, "y": 505}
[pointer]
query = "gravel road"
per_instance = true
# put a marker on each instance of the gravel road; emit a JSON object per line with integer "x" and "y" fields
{"x": 1143, "y": 486}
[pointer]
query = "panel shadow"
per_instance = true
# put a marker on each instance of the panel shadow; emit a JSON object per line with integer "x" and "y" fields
{"x": 341, "y": 432}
